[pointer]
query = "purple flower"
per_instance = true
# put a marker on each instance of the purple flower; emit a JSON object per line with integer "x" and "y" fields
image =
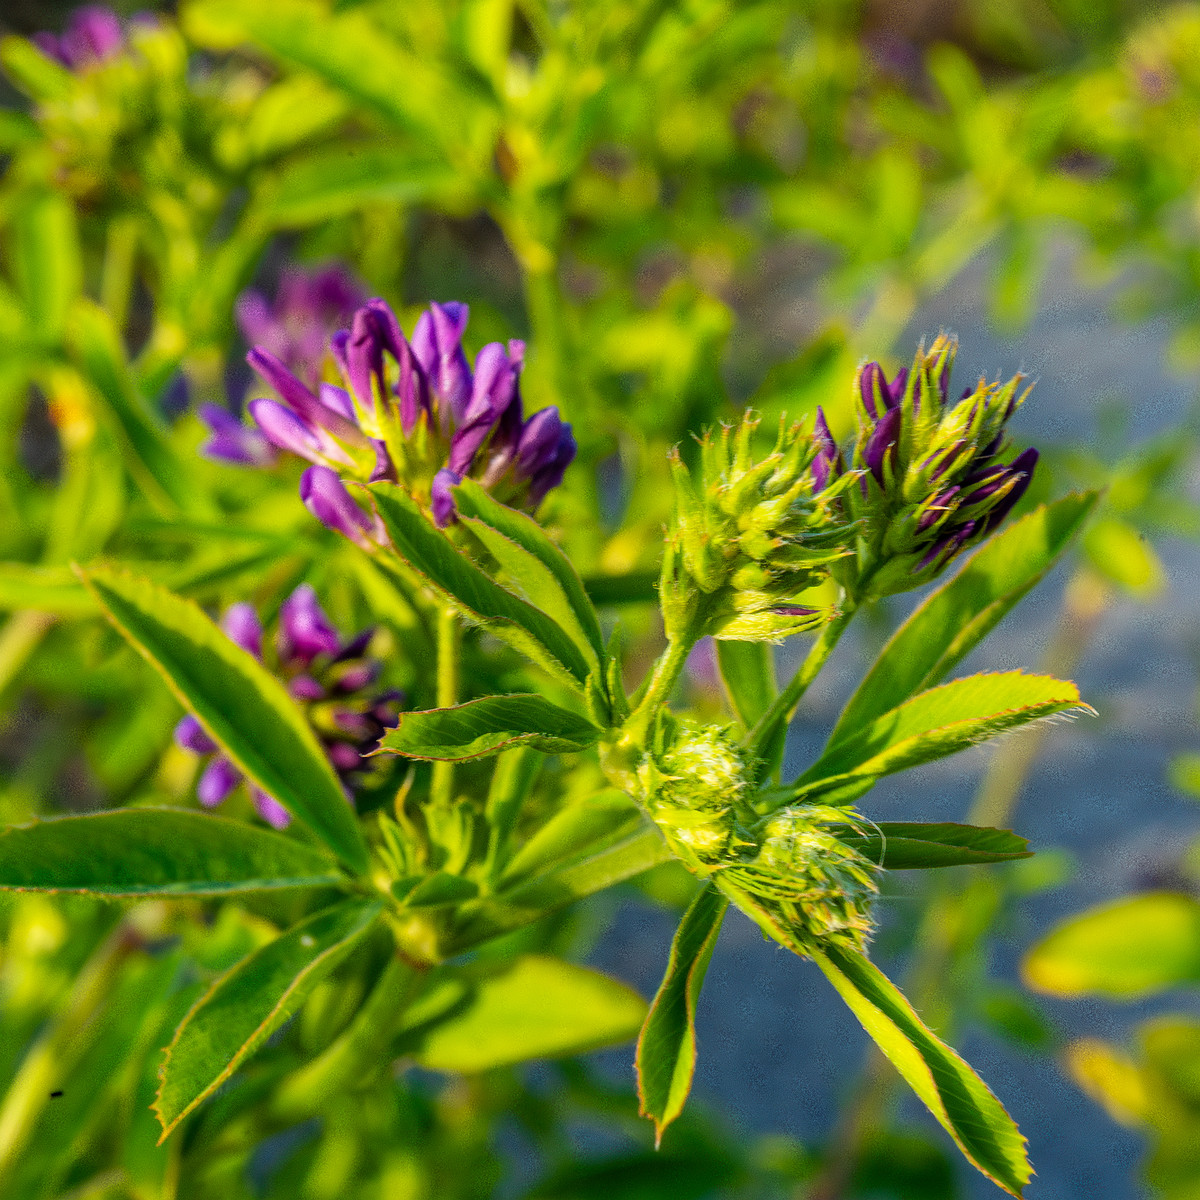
{"x": 232, "y": 441}
{"x": 827, "y": 464}
{"x": 882, "y": 439}
{"x": 304, "y": 629}
{"x": 330, "y": 679}
{"x": 242, "y": 626}
{"x": 93, "y": 35}
{"x": 437, "y": 344}
{"x": 878, "y": 396}
{"x": 325, "y": 496}
{"x": 295, "y": 328}
{"x": 393, "y": 395}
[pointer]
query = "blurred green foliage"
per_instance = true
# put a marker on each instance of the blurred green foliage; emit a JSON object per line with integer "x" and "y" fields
{"x": 685, "y": 207}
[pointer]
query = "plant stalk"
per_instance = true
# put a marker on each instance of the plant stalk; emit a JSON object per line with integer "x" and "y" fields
{"x": 449, "y": 645}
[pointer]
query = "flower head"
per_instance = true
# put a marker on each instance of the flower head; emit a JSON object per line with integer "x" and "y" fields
{"x": 413, "y": 412}
{"x": 333, "y": 682}
{"x": 93, "y": 35}
{"x": 751, "y": 535}
{"x": 933, "y": 477}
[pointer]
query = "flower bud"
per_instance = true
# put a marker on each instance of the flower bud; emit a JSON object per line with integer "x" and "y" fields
{"x": 753, "y": 535}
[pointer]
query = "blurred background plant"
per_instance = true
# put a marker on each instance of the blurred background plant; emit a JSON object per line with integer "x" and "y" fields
{"x": 684, "y": 209}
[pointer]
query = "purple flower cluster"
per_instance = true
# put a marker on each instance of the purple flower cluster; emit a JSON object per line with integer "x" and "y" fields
{"x": 330, "y": 679}
{"x": 933, "y": 476}
{"x": 413, "y": 411}
{"x": 93, "y": 35}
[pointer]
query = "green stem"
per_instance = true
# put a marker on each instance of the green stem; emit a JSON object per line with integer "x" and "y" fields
{"x": 666, "y": 674}
{"x": 448, "y": 646}
{"x": 357, "y": 1054}
{"x": 784, "y": 705}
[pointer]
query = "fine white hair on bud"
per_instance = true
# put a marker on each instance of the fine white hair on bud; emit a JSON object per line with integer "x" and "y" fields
{"x": 789, "y": 871}
{"x": 805, "y": 879}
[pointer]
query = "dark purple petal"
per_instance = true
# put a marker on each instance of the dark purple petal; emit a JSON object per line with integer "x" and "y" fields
{"x": 793, "y": 610}
{"x": 232, "y": 441}
{"x": 373, "y": 332}
{"x": 441, "y": 498}
{"x": 297, "y": 396}
{"x": 939, "y": 506}
{"x": 284, "y": 429}
{"x": 270, "y": 809}
{"x": 326, "y": 497}
{"x": 243, "y": 628}
{"x": 437, "y": 344}
{"x": 492, "y": 393}
{"x": 947, "y": 546}
{"x": 219, "y": 779}
{"x": 824, "y": 466}
{"x": 344, "y": 757}
{"x": 337, "y": 400}
{"x": 384, "y": 468}
{"x": 252, "y": 315}
{"x": 356, "y": 675}
{"x": 189, "y": 734}
{"x": 894, "y": 392}
{"x": 304, "y": 629}
{"x": 1023, "y": 467}
{"x": 553, "y": 466}
{"x": 883, "y": 438}
{"x": 877, "y": 394}
{"x": 305, "y": 687}
{"x": 357, "y": 646}
{"x": 51, "y": 46}
{"x": 93, "y": 34}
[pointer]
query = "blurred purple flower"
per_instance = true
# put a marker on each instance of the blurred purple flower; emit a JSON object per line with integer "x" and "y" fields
{"x": 232, "y": 441}
{"x": 93, "y": 35}
{"x": 309, "y": 307}
{"x": 329, "y": 678}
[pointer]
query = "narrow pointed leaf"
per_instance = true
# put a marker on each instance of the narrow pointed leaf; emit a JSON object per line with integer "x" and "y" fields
{"x": 937, "y": 723}
{"x": 243, "y": 707}
{"x": 903, "y": 846}
{"x": 959, "y": 1100}
{"x": 156, "y": 852}
{"x": 666, "y": 1053}
{"x": 483, "y": 600}
{"x": 537, "y": 568}
{"x": 539, "y": 1007}
{"x": 956, "y": 617}
{"x": 748, "y": 672}
{"x": 487, "y": 726}
{"x": 248, "y": 1003}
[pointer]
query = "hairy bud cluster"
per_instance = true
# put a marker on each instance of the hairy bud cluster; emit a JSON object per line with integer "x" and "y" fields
{"x": 751, "y": 536}
{"x": 789, "y": 871}
{"x": 806, "y": 880}
{"x": 932, "y": 480}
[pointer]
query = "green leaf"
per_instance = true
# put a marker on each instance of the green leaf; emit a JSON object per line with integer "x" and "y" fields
{"x": 47, "y": 589}
{"x": 538, "y": 570}
{"x": 572, "y": 831}
{"x": 956, "y": 617}
{"x": 248, "y": 1003}
{"x": 484, "y": 601}
{"x": 936, "y": 723}
{"x": 594, "y": 869}
{"x": 959, "y": 1100}
{"x": 666, "y": 1053}
{"x": 539, "y": 1007}
{"x": 355, "y": 55}
{"x": 156, "y": 852}
{"x": 636, "y": 587}
{"x": 1133, "y": 947}
{"x": 487, "y": 726}
{"x": 38, "y": 75}
{"x": 901, "y": 846}
{"x": 97, "y": 348}
{"x": 748, "y": 672}
{"x": 438, "y": 890}
{"x": 1125, "y": 557}
{"x": 332, "y": 182}
{"x": 46, "y": 261}
{"x": 239, "y": 702}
